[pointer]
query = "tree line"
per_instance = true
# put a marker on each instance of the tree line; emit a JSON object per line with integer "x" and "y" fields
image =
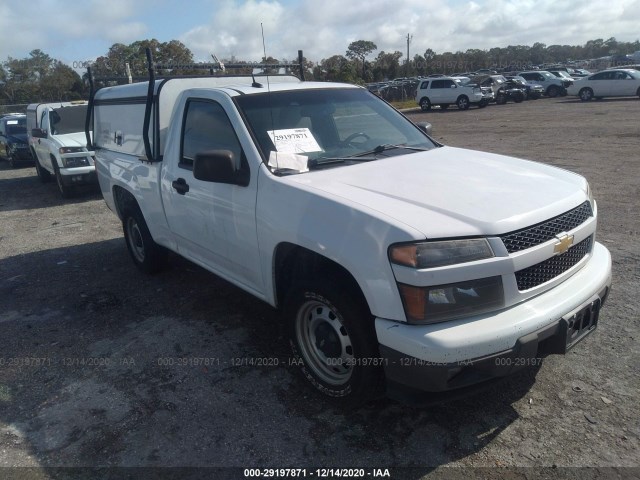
{"x": 39, "y": 77}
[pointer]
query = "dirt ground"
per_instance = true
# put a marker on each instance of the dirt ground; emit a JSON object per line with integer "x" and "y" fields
{"x": 101, "y": 366}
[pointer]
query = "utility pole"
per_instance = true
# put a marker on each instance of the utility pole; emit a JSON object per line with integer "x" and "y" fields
{"x": 409, "y": 38}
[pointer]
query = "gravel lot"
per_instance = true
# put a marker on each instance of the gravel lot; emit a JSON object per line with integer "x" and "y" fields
{"x": 103, "y": 366}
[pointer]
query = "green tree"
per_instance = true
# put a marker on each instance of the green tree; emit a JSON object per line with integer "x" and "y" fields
{"x": 359, "y": 50}
{"x": 113, "y": 64}
{"x": 38, "y": 77}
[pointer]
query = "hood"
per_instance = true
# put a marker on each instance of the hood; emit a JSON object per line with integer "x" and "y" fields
{"x": 18, "y": 138}
{"x": 76, "y": 139}
{"x": 451, "y": 192}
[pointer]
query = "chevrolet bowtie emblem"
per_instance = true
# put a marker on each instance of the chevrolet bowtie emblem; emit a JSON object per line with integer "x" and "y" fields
{"x": 565, "y": 242}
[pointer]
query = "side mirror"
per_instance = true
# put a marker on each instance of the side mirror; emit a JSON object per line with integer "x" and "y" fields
{"x": 454, "y": 86}
{"x": 217, "y": 166}
{"x": 426, "y": 127}
{"x": 39, "y": 133}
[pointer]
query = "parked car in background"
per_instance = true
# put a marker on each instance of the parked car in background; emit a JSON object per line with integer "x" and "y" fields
{"x": 532, "y": 91}
{"x": 57, "y": 142}
{"x": 608, "y": 83}
{"x": 444, "y": 91}
{"x": 14, "y": 145}
{"x": 503, "y": 91}
{"x": 553, "y": 86}
{"x": 561, "y": 74}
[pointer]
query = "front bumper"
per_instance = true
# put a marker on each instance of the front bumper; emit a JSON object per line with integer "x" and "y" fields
{"x": 456, "y": 354}
{"x": 78, "y": 176}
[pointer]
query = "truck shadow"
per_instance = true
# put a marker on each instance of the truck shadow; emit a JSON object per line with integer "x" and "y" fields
{"x": 24, "y": 191}
{"x": 104, "y": 366}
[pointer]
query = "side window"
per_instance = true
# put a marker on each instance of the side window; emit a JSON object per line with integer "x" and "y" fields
{"x": 437, "y": 84}
{"x": 447, "y": 83}
{"x": 600, "y": 76}
{"x": 43, "y": 119}
{"x": 206, "y": 127}
{"x": 424, "y": 85}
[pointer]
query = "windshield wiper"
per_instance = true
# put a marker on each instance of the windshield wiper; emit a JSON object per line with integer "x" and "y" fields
{"x": 390, "y": 146}
{"x": 317, "y": 162}
{"x": 362, "y": 157}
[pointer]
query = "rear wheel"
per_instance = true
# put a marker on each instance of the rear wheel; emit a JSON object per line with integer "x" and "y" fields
{"x": 145, "y": 252}
{"x": 333, "y": 340}
{"x": 425, "y": 104}
{"x": 463, "y": 102}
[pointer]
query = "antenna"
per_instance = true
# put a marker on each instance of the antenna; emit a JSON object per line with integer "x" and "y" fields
{"x": 264, "y": 51}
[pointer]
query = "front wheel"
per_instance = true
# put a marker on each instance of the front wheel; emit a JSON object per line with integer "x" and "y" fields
{"x": 425, "y": 104}
{"x": 462, "y": 102}
{"x": 333, "y": 340}
{"x": 65, "y": 190}
{"x": 586, "y": 94}
{"x": 43, "y": 174}
{"x": 553, "y": 91}
{"x": 145, "y": 252}
{"x": 501, "y": 99}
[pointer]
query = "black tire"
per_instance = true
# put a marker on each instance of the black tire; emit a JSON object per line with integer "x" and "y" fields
{"x": 43, "y": 174}
{"x": 585, "y": 94}
{"x": 65, "y": 190}
{"x": 501, "y": 99}
{"x": 425, "y": 104}
{"x": 553, "y": 91}
{"x": 483, "y": 103}
{"x": 333, "y": 340}
{"x": 462, "y": 102}
{"x": 444, "y": 106}
{"x": 518, "y": 98}
{"x": 9, "y": 157}
{"x": 638, "y": 92}
{"x": 147, "y": 255}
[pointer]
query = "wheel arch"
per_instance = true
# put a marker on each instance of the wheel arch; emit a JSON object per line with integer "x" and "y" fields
{"x": 123, "y": 199}
{"x": 293, "y": 262}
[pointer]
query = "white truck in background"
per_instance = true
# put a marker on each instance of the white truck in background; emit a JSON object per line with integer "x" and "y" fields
{"x": 398, "y": 264}
{"x": 58, "y": 144}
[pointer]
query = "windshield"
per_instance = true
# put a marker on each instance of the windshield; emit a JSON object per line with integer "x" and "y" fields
{"x": 65, "y": 120}
{"x": 325, "y": 124}
{"x": 17, "y": 127}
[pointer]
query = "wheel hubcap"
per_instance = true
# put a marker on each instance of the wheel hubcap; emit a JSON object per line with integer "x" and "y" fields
{"x": 324, "y": 342}
{"x": 135, "y": 239}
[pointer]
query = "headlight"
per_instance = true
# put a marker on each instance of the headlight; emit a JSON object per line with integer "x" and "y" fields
{"x": 445, "y": 302}
{"x": 439, "y": 254}
{"x": 591, "y": 199}
{"x": 73, "y": 162}
{"x": 70, "y": 149}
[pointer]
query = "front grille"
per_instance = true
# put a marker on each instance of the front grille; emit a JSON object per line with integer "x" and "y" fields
{"x": 540, "y": 233}
{"x": 549, "y": 269}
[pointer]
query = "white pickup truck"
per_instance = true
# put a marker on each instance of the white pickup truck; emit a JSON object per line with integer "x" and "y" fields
{"x": 58, "y": 145}
{"x": 398, "y": 264}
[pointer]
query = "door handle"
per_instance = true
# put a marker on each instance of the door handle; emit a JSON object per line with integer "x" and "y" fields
{"x": 180, "y": 185}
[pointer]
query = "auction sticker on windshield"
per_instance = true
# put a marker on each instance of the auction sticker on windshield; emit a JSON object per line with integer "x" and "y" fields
{"x": 294, "y": 140}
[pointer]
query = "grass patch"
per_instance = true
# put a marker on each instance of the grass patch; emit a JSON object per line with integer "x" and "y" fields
{"x": 405, "y": 104}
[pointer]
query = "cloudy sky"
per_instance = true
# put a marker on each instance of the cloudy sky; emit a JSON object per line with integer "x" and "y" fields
{"x": 79, "y": 31}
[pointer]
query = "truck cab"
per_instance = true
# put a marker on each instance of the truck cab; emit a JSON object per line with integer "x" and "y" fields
{"x": 58, "y": 145}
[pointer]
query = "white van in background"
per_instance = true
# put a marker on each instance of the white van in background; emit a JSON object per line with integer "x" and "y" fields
{"x": 58, "y": 144}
